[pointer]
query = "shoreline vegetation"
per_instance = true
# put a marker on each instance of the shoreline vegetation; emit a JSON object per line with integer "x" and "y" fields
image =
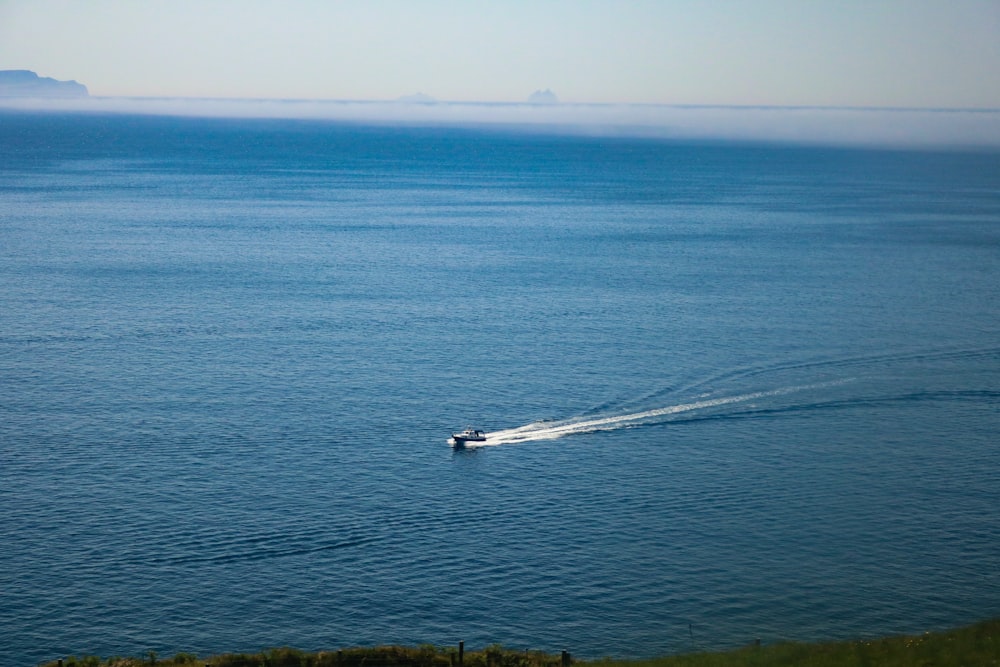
{"x": 977, "y": 644}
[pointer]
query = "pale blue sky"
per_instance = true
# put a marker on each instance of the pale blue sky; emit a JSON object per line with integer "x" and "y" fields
{"x": 909, "y": 53}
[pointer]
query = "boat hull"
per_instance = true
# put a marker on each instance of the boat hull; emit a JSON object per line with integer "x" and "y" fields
{"x": 459, "y": 440}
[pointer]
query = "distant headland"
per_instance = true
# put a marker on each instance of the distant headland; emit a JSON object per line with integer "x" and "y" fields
{"x": 25, "y": 83}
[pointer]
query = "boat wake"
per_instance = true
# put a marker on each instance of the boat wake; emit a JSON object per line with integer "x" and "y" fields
{"x": 549, "y": 430}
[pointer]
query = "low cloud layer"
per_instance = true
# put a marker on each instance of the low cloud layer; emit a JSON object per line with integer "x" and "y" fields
{"x": 833, "y": 126}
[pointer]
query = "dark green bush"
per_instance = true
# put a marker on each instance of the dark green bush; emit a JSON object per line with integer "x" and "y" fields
{"x": 237, "y": 660}
{"x": 287, "y": 657}
{"x": 85, "y": 661}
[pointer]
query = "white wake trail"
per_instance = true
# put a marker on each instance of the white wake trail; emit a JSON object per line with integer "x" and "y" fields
{"x": 551, "y": 431}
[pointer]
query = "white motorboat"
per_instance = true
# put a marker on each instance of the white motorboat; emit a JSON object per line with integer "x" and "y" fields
{"x": 468, "y": 435}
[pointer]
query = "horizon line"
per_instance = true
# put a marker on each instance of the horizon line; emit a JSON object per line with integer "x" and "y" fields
{"x": 402, "y": 100}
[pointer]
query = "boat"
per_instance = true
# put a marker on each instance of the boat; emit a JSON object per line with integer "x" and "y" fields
{"x": 468, "y": 435}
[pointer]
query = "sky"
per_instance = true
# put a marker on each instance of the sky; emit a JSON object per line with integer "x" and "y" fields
{"x": 924, "y": 54}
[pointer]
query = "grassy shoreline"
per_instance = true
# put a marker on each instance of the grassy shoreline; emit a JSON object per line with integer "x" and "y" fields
{"x": 977, "y": 644}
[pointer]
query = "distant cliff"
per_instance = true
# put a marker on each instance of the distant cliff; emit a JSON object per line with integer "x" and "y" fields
{"x": 25, "y": 83}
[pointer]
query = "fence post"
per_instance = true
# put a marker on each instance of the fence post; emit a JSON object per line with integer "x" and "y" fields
{"x": 565, "y": 658}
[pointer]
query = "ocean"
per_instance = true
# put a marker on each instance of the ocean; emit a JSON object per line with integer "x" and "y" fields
{"x": 732, "y": 390}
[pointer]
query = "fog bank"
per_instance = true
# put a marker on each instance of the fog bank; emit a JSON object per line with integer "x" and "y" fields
{"x": 916, "y": 128}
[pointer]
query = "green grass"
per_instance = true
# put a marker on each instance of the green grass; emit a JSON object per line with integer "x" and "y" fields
{"x": 974, "y": 646}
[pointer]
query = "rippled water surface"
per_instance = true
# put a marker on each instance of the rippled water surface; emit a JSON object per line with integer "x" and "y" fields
{"x": 731, "y": 391}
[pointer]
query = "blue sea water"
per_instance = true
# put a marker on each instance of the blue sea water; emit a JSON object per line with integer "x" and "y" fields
{"x": 732, "y": 390}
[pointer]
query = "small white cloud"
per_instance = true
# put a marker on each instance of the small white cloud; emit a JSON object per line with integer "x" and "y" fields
{"x": 543, "y": 97}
